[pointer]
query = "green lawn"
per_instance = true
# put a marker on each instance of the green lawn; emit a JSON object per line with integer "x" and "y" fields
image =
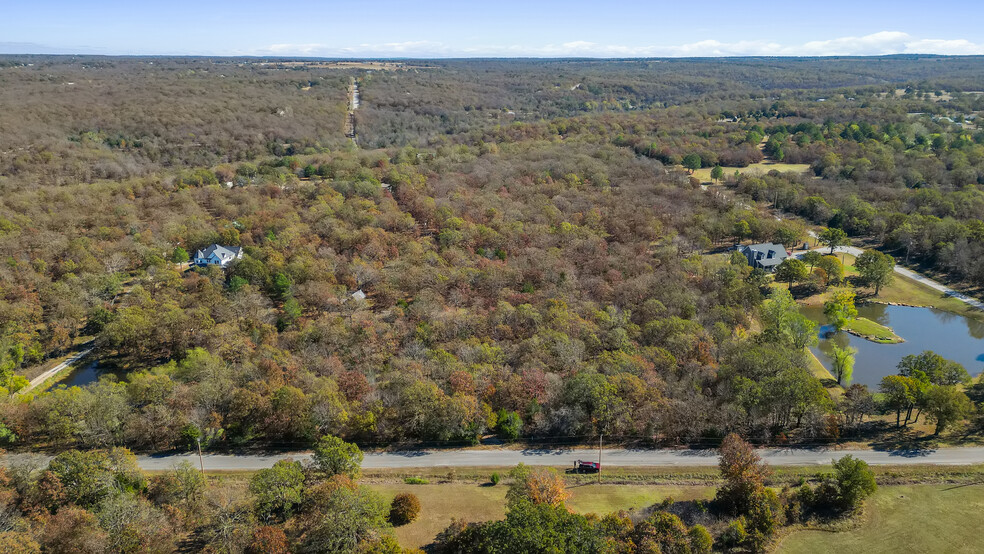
{"x": 911, "y": 519}
{"x": 873, "y": 331}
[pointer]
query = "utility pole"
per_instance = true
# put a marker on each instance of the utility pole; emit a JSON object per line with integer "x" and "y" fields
{"x": 599, "y": 457}
{"x": 201, "y": 461}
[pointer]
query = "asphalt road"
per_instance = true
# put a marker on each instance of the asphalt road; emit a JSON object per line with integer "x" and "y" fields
{"x": 565, "y": 457}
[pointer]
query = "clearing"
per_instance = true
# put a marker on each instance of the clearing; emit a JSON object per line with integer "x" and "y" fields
{"x": 760, "y": 168}
{"x": 472, "y": 502}
{"x": 918, "y": 518}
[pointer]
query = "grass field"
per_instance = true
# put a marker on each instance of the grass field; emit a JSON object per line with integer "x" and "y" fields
{"x": 471, "y": 502}
{"x": 761, "y": 168}
{"x": 873, "y": 331}
{"x": 911, "y": 519}
{"x": 899, "y": 518}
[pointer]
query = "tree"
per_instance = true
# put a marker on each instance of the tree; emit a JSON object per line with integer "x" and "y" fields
{"x": 876, "y": 268}
{"x": 840, "y": 309}
{"x": 179, "y": 255}
{"x": 278, "y": 489}
{"x": 855, "y": 482}
{"x": 692, "y": 162}
{"x": 843, "y": 362}
{"x": 933, "y": 368}
{"x": 716, "y": 173}
{"x": 334, "y": 456}
{"x": 404, "y": 509}
{"x": 856, "y": 403}
{"x": 741, "y": 230}
{"x": 340, "y": 516}
{"x": 784, "y": 323}
{"x": 509, "y": 424}
{"x": 947, "y": 405}
{"x": 812, "y": 258}
{"x": 833, "y": 269}
{"x": 743, "y": 472}
{"x": 787, "y": 235}
{"x": 833, "y": 237}
{"x": 539, "y": 485}
{"x": 900, "y": 394}
{"x": 791, "y": 270}
{"x": 269, "y": 540}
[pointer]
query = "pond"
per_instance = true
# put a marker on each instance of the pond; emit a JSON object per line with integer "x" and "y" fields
{"x": 952, "y": 336}
{"x": 83, "y": 375}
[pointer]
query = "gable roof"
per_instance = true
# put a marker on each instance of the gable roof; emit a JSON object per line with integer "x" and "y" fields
{"x": 765, "y": 254}
{"x": 223, "y": 252}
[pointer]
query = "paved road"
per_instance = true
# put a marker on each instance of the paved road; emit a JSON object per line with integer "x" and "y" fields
{"x": 40, "y": 379}
{"x": 565, "y": 457}
{"x": 855, "y": 251}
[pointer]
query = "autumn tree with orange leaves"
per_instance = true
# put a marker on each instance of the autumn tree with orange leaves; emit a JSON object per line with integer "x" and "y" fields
{"x": 541, "y": 485}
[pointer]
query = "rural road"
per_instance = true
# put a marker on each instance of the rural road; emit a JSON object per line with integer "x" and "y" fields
{"x": 919, "y": 278}
{"x": 563, "y": 457}
{"x": 37, "y": 381}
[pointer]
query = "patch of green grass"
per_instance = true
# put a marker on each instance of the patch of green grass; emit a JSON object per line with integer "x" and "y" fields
{"x": 919, "y": 518}
{"x": 872, "y": 330}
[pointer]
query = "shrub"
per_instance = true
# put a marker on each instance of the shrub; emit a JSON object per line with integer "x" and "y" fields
{"x": 735, "y": 535}
{"x": 494, "y": 478}
{"x": 855, "y": 482}
{"x": 404, "y": 509}
{"x": 416, "y": 481}
{"x": 700, "y": 539}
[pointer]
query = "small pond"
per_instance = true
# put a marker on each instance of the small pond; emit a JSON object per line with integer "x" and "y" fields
{"x": 83, "y": 375}
{"x": 952, "y": 336}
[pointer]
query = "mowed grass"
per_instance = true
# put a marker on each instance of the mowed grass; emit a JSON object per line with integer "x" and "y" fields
{"x": 761, "y": 168}
{"x": 873, "y": 331}
{"x": 470, "y": 502}
{"x": 911, "y": 519}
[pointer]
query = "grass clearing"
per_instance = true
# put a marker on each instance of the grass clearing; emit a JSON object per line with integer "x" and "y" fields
{"x": 918, "y": 518}
{"x": 873, "y": 331}
{"x": 472, "y": 502}
{"x": 761, "y": 168}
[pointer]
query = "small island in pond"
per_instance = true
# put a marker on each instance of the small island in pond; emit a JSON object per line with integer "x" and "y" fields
{"x": 873, "y": 331}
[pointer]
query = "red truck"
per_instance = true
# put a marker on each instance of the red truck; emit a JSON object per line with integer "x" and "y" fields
{"x": 581, "y": 466}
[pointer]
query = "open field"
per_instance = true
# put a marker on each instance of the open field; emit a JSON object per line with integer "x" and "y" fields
{"x": 761, "y": 168}
{"x": 919, "y": 518}
{"x": 928, "y": 518}
{"x": 472, "y": 502}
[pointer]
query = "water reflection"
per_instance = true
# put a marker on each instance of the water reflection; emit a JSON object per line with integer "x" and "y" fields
{"x": 951, "y": 335}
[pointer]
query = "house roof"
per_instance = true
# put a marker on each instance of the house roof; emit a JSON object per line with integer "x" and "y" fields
{"x": 759, "y": 253}
{"x": 219, "y": 250}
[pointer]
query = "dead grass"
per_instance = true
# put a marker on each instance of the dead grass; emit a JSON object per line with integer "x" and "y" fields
{"x": 761, "y": 168}
{"x": 471, "y": 502}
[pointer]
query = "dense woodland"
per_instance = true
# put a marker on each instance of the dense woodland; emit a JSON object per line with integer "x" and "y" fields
{"x": 533, "y": 256}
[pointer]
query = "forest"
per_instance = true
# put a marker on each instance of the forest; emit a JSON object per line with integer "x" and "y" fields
{"x": 510, "y": 249}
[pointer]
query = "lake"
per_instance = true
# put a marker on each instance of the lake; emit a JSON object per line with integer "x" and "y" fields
{"x": 952, "y": 336}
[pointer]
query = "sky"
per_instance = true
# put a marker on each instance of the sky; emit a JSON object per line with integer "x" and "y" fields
{"x": 505, "y": 28}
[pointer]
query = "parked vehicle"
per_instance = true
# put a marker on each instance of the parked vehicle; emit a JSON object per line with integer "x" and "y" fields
{"x": 581, "y": 466}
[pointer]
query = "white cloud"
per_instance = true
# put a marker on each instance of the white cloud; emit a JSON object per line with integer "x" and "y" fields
{"x": 875, "y": 44}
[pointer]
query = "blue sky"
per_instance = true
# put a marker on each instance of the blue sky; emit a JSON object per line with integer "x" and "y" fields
{"x": 463, "y": 28}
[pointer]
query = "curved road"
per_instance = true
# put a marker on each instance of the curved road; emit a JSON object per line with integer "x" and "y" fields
{"x": 564, "y": 457}
{"x": 918, "y": 277}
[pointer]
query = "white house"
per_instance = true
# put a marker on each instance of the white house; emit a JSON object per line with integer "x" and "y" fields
{"x": 217, "y": 255}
